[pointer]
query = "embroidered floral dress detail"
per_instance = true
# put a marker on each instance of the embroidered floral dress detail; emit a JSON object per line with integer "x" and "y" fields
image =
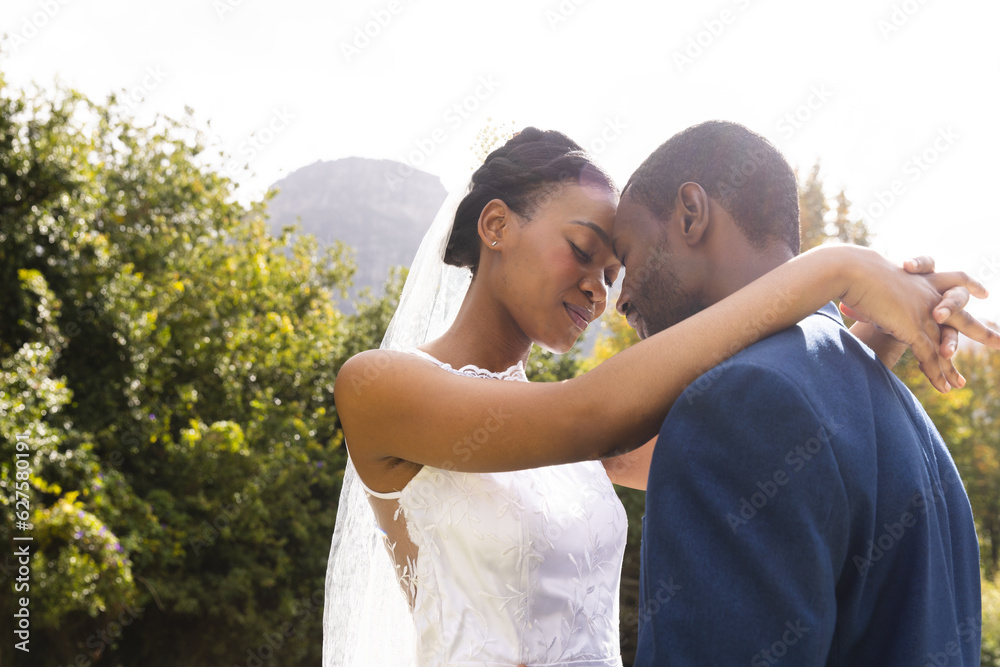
{"x": 513, "y": 567}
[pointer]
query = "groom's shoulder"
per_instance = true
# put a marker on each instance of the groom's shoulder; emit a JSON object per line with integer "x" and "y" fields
{"x": 820, "y": 338}
{"x": 818, "y": 353}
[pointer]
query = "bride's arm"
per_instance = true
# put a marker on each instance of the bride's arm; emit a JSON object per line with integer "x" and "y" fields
{"x": 632, "y": 468}
{"x": 397, "y": 406}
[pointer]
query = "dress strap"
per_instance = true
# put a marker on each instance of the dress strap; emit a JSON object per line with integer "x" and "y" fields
{"x": 394, "y": 495}
{"x": 424, "y": 355}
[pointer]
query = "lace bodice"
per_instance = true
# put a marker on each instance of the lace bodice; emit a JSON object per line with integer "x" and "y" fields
{"x": 513, "y": 567}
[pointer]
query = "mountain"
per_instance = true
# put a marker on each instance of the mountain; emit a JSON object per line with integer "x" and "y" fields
{"x": 380, "y": 208}
{"x": 374, "y": 209}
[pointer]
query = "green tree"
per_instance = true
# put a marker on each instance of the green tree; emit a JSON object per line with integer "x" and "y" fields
{"x": 849, "y": 229}
{"x": 967, "y": 421}
{"x": 545, "y": 366}
{"x": 172, "y": 365}
{"x": 813, "y": 209}
{"x": 815, "y": 224}
{"x": 966, "y": 418}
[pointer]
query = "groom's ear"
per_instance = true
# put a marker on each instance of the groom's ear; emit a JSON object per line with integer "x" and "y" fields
{"x": 691, "y": 213}
{"x": 492, "y": 222}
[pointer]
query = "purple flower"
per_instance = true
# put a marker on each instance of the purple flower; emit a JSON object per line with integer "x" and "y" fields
{"x": 118, "y": 547}
{"x": 78, "y": 534}
{"x": 152, "y": 417}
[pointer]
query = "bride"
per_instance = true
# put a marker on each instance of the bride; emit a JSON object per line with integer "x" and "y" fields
{"x": 478, "y": 523}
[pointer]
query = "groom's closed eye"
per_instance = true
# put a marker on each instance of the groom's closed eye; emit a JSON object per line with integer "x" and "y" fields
{"x": 618, "y": 252}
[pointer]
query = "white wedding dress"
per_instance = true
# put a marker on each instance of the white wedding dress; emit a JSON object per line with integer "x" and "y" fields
{"x": 509, "y": 568}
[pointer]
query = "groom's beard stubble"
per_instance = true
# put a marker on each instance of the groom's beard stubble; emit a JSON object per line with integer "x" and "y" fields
{"x": 662, "y": 302}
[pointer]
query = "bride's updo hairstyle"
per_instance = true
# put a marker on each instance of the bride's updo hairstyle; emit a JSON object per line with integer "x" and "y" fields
{"x": 523, "y": 172}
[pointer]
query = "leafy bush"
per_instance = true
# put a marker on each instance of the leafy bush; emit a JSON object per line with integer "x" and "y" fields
{"x": 172, "y": 365}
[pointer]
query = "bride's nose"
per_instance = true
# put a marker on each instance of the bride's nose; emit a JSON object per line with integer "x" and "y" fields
{"x": 594, "y": 287}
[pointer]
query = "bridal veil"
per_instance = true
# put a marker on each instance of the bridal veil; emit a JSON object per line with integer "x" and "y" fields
{"x": 366, "y": 619}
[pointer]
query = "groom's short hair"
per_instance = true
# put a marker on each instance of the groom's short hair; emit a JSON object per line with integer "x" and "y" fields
{"x": 737, "y": 167}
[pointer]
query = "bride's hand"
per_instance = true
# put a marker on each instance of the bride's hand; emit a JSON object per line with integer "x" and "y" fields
{"x": 953, "y": 302}
{"x": 913, "y": 307}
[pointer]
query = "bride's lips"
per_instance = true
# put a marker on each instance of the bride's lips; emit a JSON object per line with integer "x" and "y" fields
{"x": 580, "y": 317}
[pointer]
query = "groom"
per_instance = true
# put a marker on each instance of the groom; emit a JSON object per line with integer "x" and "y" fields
{"x": 801, "y": 507}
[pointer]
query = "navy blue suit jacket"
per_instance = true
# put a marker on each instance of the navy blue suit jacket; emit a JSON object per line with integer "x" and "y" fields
{"x": 802, "y": 509}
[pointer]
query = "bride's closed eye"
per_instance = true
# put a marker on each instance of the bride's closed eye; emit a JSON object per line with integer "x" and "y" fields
{"x": 580, "y": 253}
{"x": 587, "y": 258}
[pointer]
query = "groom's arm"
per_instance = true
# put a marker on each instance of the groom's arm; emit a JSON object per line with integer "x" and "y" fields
{"x": 632, "y": 468}
{"x": 746, "y": 526}
{"x": 886, "y": 348}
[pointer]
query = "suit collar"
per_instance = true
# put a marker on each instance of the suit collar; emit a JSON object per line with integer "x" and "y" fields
{"x": 833, "y": 312}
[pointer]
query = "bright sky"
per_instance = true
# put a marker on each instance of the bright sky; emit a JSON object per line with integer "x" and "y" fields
{"x": 890, "y": 94}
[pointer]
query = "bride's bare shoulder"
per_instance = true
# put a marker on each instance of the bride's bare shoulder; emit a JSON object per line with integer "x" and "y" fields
{"x": 379, "y": 371}
{"x": 381, "y": 395}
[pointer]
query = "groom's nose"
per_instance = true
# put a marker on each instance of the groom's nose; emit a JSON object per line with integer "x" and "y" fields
{"x": 623, "y": 302}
